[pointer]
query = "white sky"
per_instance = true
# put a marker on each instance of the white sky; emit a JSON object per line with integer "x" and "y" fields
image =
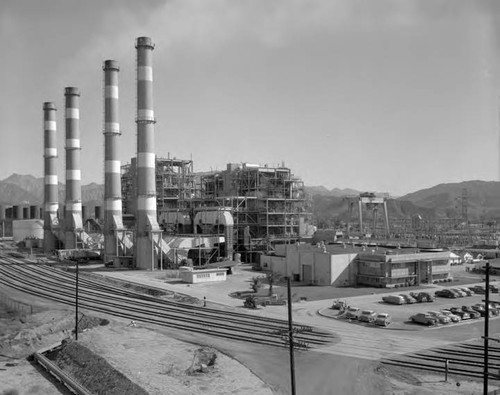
{"x": 386, "y": 95}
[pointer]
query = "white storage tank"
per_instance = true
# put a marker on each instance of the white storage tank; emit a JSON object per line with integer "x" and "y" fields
{"x": 27, "y": 228}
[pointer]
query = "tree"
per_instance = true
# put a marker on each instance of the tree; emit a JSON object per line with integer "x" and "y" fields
{"x": 256, "y": 283}
{"x": 271, "y": 279}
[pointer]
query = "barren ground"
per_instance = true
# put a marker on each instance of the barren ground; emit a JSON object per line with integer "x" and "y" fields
{"x": 159, "y": 360}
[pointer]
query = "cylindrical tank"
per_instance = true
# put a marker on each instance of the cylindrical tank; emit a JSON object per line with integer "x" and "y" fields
{"x": 84, "y": 213}
{"x": 17, "y": 212}
{"x": 2, "y": 213}
{"x": 146, "y": 161}
{"x": 26, "y": 212}
{"x": 112, "y": 164}
{"x": 34, "y": 211}
{"x": 98, "y": 213}
{"x": 73, "y": 214}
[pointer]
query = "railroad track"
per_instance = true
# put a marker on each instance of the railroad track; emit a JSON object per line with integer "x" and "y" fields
{"x": 465, "y": 359}
{"x": 52, "y": 283}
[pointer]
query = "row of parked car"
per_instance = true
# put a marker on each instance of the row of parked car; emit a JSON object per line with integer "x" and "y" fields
{"x": 412, "y": 297}
{"x": 370, "y": 316}
{"x": 456, "y": 314}
{"x": 464, "y": 291}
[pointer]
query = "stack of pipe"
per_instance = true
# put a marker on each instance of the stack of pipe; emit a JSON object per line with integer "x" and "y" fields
{"x": 146, "y": 223}
{"x": 51, "y": 188}
{"x": 73, "y": 213}
{"x": 112, "y": 165}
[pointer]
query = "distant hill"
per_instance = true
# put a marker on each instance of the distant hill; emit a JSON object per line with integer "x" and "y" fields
{"x": 322, "y": 191}
{"x": 440, "y": 201}
{"x": 483, "y": 199}
{"x": 19, "y": 188}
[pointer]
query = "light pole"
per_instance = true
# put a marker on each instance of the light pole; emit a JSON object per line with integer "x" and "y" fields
{"x": 290, "y": 335}
{"x": 486, "y": 327}
{"x": 76, "y": 302}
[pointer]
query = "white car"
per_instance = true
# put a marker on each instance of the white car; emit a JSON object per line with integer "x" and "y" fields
{"x": 441, "y": 318}
{"x": 352, "y": 312}
{"x": 453, "y": 317}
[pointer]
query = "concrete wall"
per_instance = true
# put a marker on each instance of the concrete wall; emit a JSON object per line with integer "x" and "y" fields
{"x": 326, "y": 269}
{"x": 343, "y": 269}
{"x": 28, "y": 228}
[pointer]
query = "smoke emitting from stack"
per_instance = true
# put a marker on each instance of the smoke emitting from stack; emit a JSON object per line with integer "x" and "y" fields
{"x": 51, "y": 187}
{"x": 112, "y": 165}
{"x": 146, "y": 182}
{"x": 73, "y": 212}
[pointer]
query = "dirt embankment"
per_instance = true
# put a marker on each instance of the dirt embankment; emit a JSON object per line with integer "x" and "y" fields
{"x": 92, "y": 371}
{"x": 118, "y": 358}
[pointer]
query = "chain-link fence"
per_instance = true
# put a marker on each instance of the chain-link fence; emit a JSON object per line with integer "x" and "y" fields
{"x": 13, "y": 305}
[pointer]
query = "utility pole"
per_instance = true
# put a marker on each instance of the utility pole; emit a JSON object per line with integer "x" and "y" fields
{"x": 76, "y": 302}
{"x": 290, "y": 335}
{"x": 486, "y": 327}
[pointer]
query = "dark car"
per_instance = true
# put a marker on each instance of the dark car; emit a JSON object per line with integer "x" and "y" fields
{"x": 424, "y": 319}
{"x": 423, "y": 297}
{"x": 427, "y": 297}
{"x": 473, "y": 313}
{"x": 462, "y": 314}
{"x": 416, "y": 296}
{"x": 445, "y": 293}
{"x": 479, "y": 289}
{"x": 494, "y": 289}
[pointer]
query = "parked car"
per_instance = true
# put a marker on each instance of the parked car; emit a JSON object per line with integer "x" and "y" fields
{"x": 453, "y": 317}
{"x": 441, "y": 318}
{"x": 480, "y": 307}
{"x": 462, "y": 314}
{"x": 367, "y": 316}
{"x": 427, "y": 296}
{"x": 424, "y": 319}
{"x": 445, "y": 293}
{"x": 383, "y": 319}
{"x": 421, "y": 297}
{"x": 408, "y": 298}
{"x": 393, "y": 299}
{"x": 468, "y": 291}
{"x": 494, "y": 308}
{"x": 479, "y": 289}
{"x": 352, "y": 312}
{"x": 494, "y": 289}
{"x": 459, "y": 292}
{"x": 473, "y": 313}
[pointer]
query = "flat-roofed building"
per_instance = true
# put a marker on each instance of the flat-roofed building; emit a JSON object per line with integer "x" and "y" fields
{"x": 350, "y": 265}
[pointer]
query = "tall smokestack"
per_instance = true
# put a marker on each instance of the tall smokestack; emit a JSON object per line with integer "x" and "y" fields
{"x": 146, "y": 221}
{"x": 73, "y": 213}
{"x": 112, "y": 166}
{"x": 51, "y": 188}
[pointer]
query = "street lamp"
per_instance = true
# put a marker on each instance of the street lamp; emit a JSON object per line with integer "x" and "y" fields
{"x": 76, "y": 302}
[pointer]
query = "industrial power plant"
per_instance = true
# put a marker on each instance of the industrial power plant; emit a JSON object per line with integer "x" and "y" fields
{"x": 157, "y": 212}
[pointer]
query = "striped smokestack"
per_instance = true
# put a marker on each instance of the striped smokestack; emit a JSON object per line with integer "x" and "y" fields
{"x": 51, "y": 188}
{"x": 73, "y": 213}
{"x": 112, "y": 166}
{"x": 146, "y": 183}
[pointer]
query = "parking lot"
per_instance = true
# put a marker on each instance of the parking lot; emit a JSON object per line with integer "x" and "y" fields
{"x": 401, "y": 314}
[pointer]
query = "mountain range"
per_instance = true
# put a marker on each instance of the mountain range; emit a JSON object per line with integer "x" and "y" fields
{"x": 480, "y": 199}
{"x": 20, "y": 189}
